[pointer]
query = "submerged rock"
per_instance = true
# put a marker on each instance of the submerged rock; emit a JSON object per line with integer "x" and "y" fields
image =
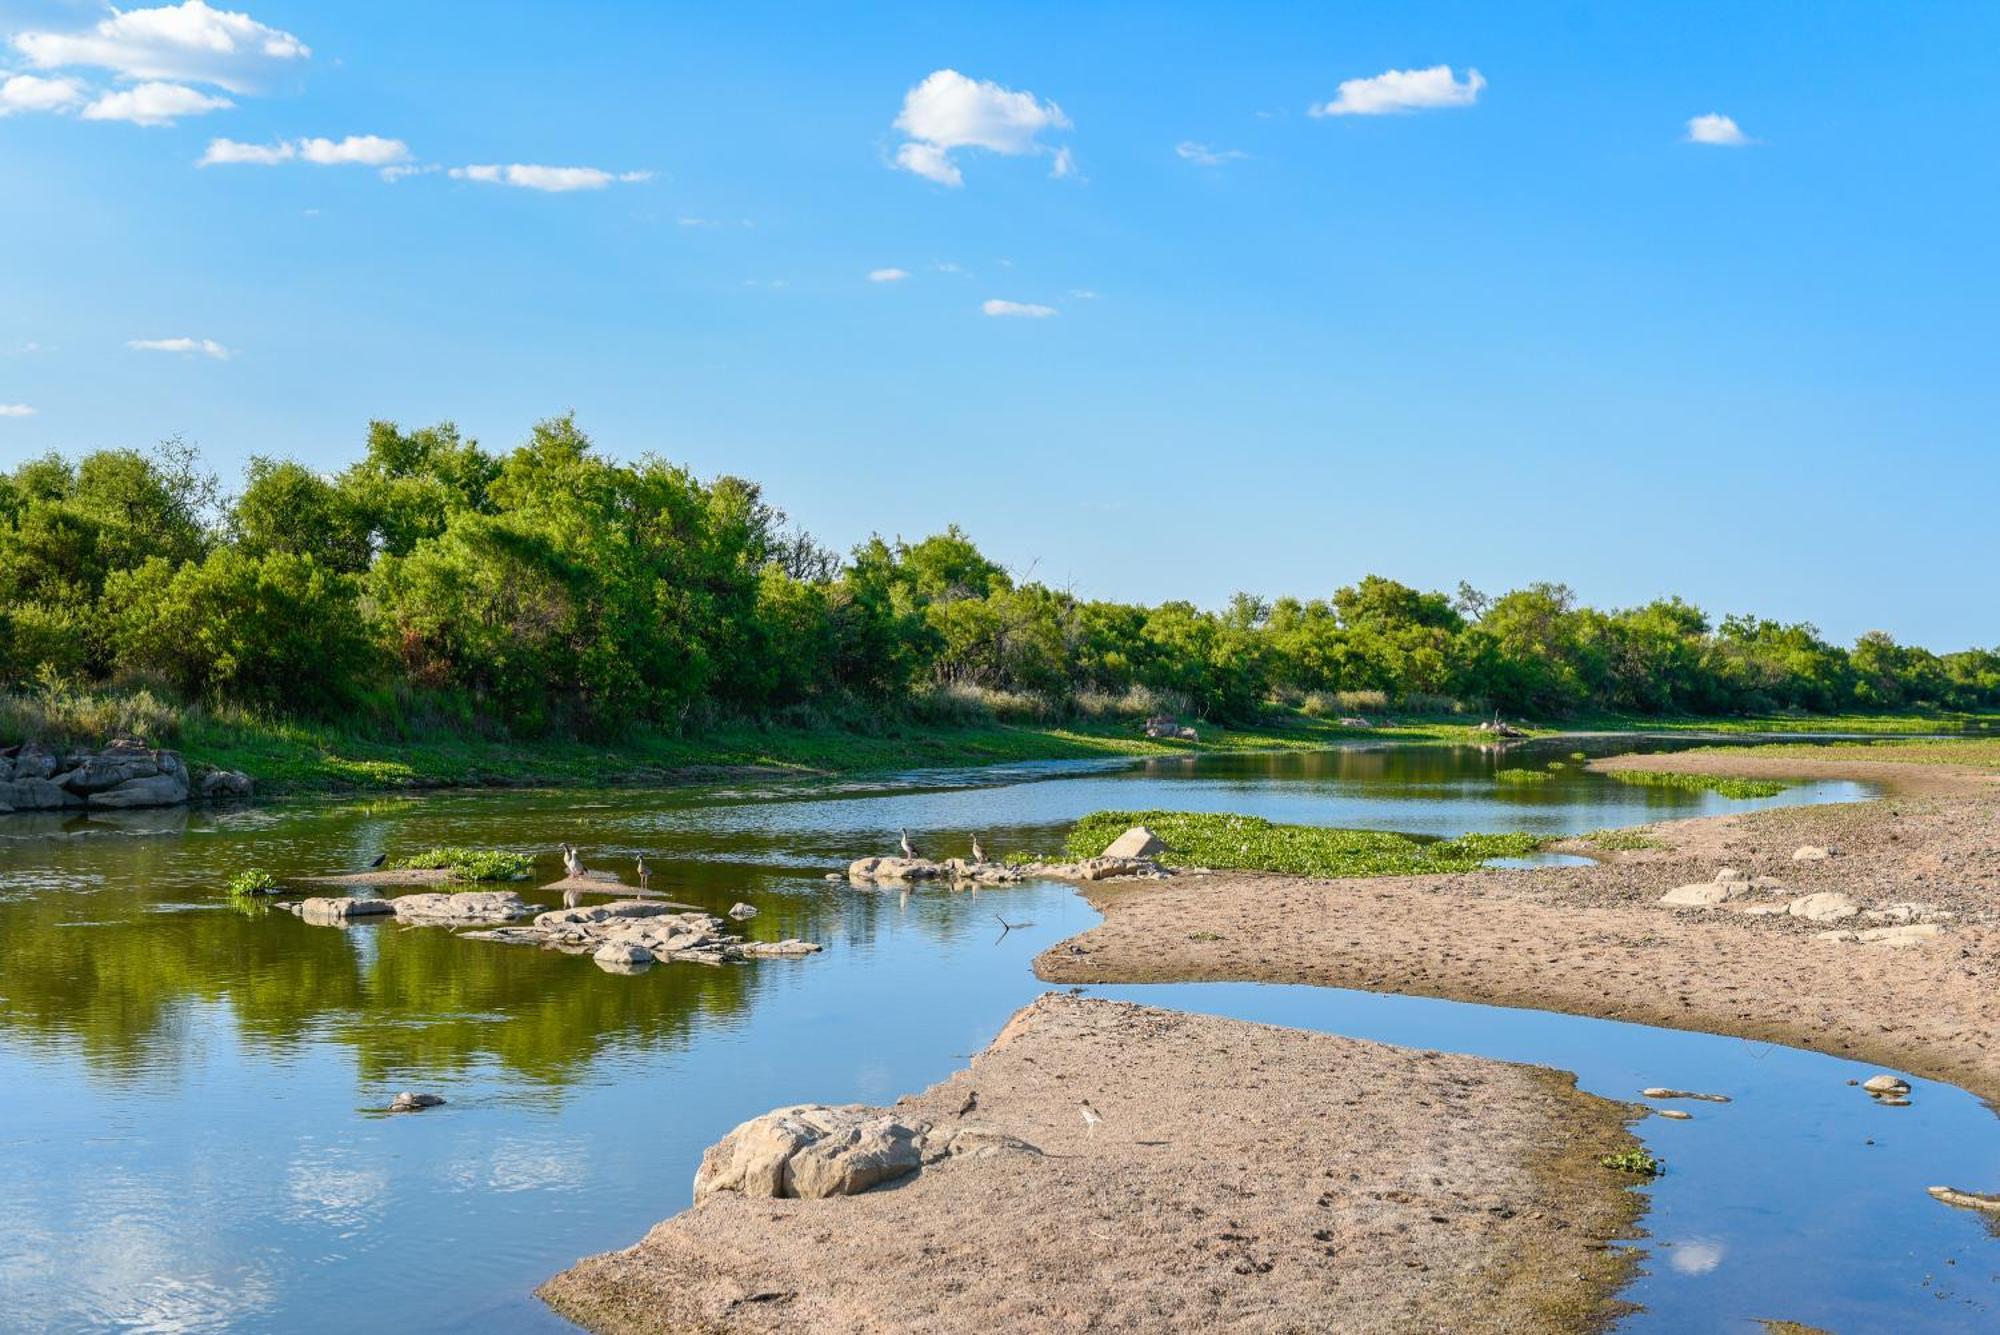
{"x": 1660, "y": 1092}
{"x": 742, "y": 912}
{"x": 810, "y": 1152}
{"x": 787, "y": 949}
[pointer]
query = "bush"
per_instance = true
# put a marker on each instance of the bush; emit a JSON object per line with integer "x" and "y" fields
{"x": 252, "y": 881}
{"x": 470, "y": 864}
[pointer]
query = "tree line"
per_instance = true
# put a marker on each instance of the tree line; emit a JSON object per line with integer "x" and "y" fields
{"x": 552, "y": 588}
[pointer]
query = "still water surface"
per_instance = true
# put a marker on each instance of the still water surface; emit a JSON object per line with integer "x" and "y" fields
{"x": 188, "y": 1139}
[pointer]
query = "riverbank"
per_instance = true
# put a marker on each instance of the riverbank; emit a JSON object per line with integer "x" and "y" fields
{"x": 1244, "y": 1177}
{"x": 1597, "y": 941}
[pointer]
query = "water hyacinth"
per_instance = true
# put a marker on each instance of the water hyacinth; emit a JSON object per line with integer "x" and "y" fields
{"x": 1249, "y": 843}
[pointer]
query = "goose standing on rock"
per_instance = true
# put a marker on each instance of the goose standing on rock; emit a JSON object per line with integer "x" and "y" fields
{"x": 645, "y": 872}
{"x": 573, "y": 861}
{"x": 978, "y": 850}
{"x": 909, "y": 849}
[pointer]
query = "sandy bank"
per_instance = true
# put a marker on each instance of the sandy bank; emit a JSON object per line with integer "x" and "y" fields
{"x": 1244, "y": 1177}
{"x": 1595, "y": 941}
{"x": 1866, "y": 765}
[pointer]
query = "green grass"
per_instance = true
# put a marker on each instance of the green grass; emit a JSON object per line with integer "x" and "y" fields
{"x": 470, "y": 864}
{"x": 1247, "y": 843}
{"x": 1700, "y": 783}
{"x": 1621, "y": 841}
{"x": 251, "y": 881}
{"x": 1887, "y": 725}
{"x": 1638, "y": 1161}
{"x": 1520, "y": 776}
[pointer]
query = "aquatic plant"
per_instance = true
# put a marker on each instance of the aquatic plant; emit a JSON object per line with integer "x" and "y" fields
{"x": 1639, "y": 1161}
{"x": 1250, "y": 843}
{"x": 470, "y": 864}
{"x": 251, "y": 881}
{"x": 1520, "y": 776}
{"x": 1622, "y": 841}
{"x": 1699, "y": 783}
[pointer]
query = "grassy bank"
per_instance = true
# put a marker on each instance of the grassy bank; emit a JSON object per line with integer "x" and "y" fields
{"x": 1972, "y": 752}
{"x": 1248, "y": 843}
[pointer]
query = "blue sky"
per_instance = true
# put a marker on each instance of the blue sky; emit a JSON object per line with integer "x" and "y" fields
{"x": 1506, "y": 326}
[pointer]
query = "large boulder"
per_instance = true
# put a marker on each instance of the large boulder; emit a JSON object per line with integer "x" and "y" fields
{"x": 225, "y": 785}
{"x": 330, "y": 911}
{"x": 1137, "y": 842}
{"x": 811, "y": 1151}
{"x": 155, "y": 790}
{"x": 117, "y": 764}
{"x": 465, "y": 906}
{"x": 32, "y": 793}
{"x": 35, "y": 761}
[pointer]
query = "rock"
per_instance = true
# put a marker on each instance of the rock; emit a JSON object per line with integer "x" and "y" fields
{"x": 621, "y": 910}
{"x": 810, "y": 1152}
{"x": 1912, "y": 934}
{"x": 408, "y": 1102}
{"x": 1903, "y": 911}
{"x": 980, "y": 1142}
{"x": 33, "y": 793}
{"x": 35, "y": 761}
{"x": 1659, "y": 1092}
{"x": 159, "y": 790}
{"x": 1673, "y": 1114}
{"x": 465, "y": 906}
{"x": 1706, "y": 894}
{"x": 833, "y": 876}
{"x": 1886, "y": 1084}
{"x": 1764, "y": 910}
{"x": 1811, "y": 853}
{"x": 225, "y": 785}
{"x": 1137, "y": 842}
{"x": 895, "y": 869}
{"x": 1968, "y": 1200}
{"x": 622, "y": 952}
{"x": 119, "y": 763}
{"x": 333, "y": 910}
{"x": 1728, "y": 874}
{"x": 778, "y": 949}
{"x": 1893, "y": 1101}
{"x": 1826, "y": 906}
{"x": 742, "y": 912}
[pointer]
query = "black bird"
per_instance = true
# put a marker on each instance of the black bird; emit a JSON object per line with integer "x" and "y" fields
{"x": 380, "y": 858}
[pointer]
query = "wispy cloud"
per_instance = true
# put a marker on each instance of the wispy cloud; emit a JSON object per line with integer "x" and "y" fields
{"x": 1084, "y": 294}
{"x": 1201, "y": 154}
{"x": 191, "y": 42}
{"x": 1718, "y": 131}
{"x": 31, "y": 92}
{"x": 16, "y": 410}
{"x": 555, "y": 180}
{"x": 1026, "y": 310}
{"x": 207, "y": 347}
{"x": 949, "y": 111}
{"x": 356, "y": 150}
{"x": 887, "y": 275}
{"x": 154, "y": 104}
{"x": 1395, "y": 91}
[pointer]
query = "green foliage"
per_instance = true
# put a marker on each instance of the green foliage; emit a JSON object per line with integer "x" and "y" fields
{"x": 1622, "y": 841}
{"x": 554, "y": 591}
{"x": 1700, "y": 783}
{"x": 1248, "y": 843}
{"x": 252, "y": 881}
{"x": 1638, "y": 1161}
{"x": 470, "y": 864}
{"x": 1521, "y": 776}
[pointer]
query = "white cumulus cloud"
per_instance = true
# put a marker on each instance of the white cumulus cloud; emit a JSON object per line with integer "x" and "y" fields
{"x": 887, "y": 275}
{"x": 29, "y": 92}
{"x": 153, "y": 103}
{"x": 531, "y": 176}
{"x": 363, "y": 150}
{"x": 207, "y": 347}
{"x": 949, "y": 111}
{"x": 1189, "y": 151}
{"x": 191, "y": 41}
{"x": 1394, "y": 91}
{"x": 16, "y": 410}
{"x": 1717, "y": 130}
{"x": 1026, "y": 310}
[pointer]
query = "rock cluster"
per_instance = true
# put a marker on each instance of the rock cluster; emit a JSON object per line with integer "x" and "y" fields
{"x": 1906, "y": 923}
{"x": 333, "y": 910}
{"x": 127, "y": 773}
{"x": 461, "y": 907}
{"x": 812, "y": 1151}
{"x": 627, "y": 934}
{"x": 1132, "y": 853}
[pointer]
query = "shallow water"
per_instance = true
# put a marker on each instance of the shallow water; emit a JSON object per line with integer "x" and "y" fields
{"x": 187, "y": 1092}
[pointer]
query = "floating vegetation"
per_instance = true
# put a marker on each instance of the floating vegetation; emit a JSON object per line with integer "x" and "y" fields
{"x": 1249, "y": 843}
{"x": 1557, "y": 764}
{"x": 470, "y": 864}
{"x": 1700, "y": 783}
{"x": 1638, "y": 1161}
{"x": 1578, "y": 755}
{"x": 1520, "y": 776}
{"x": 252, "y": 881}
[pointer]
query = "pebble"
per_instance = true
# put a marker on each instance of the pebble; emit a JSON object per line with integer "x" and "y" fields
{"x": 1886, "y": 1084}
{"x": 1660, "y": 1092}
{"x": 1673, "y": 1114}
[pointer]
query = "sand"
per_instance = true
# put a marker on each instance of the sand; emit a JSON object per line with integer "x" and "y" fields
{"x": 1593, "y": 941}
{"x": 1245, "y": 1178}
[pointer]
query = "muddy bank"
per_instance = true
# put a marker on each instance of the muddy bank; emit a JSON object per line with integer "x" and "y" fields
{"x": 1243, "y": 1177}
{"x": 1596, "y": 941}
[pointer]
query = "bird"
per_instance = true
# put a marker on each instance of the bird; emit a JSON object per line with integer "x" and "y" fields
{"x": 1091, "y": 1117}
{"x": 971, "y": 1102}
{"x": 645, "y": 872}
{"x": 380, "y": 858}
{"x": 909, "y": 849}
{"x": 978, "y": 850}
{"x": 573, "y": 861}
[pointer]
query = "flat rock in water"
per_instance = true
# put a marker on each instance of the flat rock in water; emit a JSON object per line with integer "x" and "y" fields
{"x": 1886, "y": 1084}
{"x": 329, "y": 910}
{"x": 1968, "y": 1200}
{"x": 742, "y": 912}
{"x": 895, "y": 870}
{"x": 385, "y": 876}
{"x": 1826, "y": 906}
{"x": 1660, "y": 1092}
{"x": 622, "y": 952}
{"x": 464, "y": 906}
{"x": 1673, "y": 1114}
{"x": 778, "y": 949}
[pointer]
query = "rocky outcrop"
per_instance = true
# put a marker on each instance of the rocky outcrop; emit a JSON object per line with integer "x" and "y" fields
{"x": 125, "y": 774}
{"x": 330, "y": 911}
{"x": 464, "y": 906}
{"x": 812, "y": 1151}
{"x": 629, "y": 934}
{"x": 906, "y": 871}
